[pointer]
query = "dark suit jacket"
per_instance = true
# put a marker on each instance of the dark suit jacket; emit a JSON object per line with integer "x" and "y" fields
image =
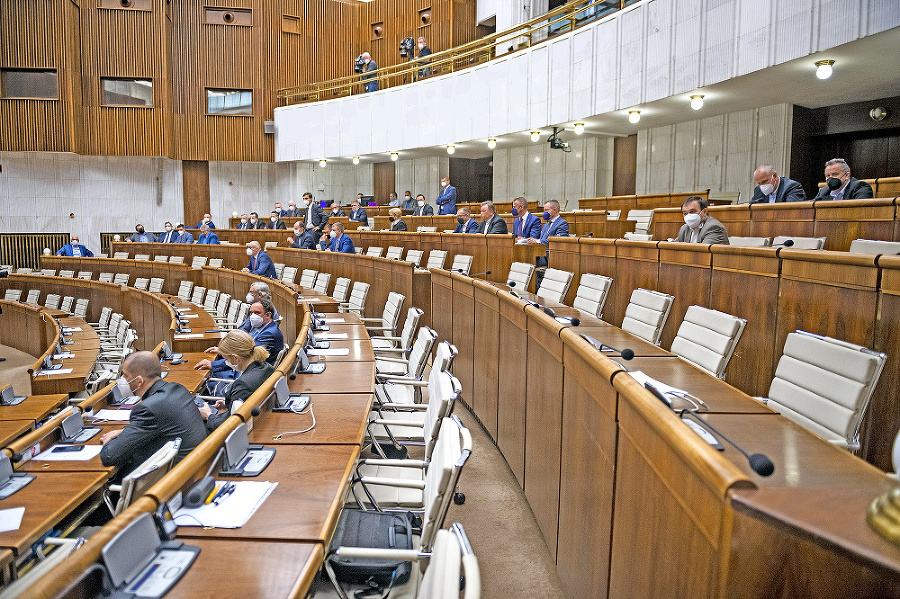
{"x": 496, "y": 226}
{"x": 271, "y": 338}
{"x": 211, "y": 224}
{"x": 425, "y": 210}
{"x": 260, "y": 224}
{"x": 242, "y": 388}
{"x": 342, "y": 244}
{"x": 854, "y": 190}
{"x": 169, "y": 237}
{"x": 278, "y": 224}
{"x": 359, "y": 216}
{"x": 262, "y": 265}
{"x": 66, "y": 250}
{"x": 788, "y": 191}
{"x": 555, "y": 228}
{"x": 532, "y": 227}
{"x": 242, "y": 226}
{"x": 398, "y": 225}
{"x": 166, "y": 411}
{"x": 136, "y": 237}
{"x": 296, "y": 212}
{"x": 712, "y": 231}
{"x": 471, "y": 226}
{"x": 446, "y": 200}
{"x": 338, "y": 213}
{"x": 319, "y": 216}
{"x": 370, "y": 77}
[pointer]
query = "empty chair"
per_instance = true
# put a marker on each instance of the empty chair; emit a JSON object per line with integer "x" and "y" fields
{"x": 800, "y": 243}
{"x": 85, "y": 274}
{"x": 871, "y": 246}
{"x": 198, "y": 294}
{"x": 308, "y": 278}
{"x": 394, "y": 252}
{"x": 48, "y": 272}
{"x": 106, "y": 277}
{"x": 750, "y": 241}
{"x": 356, "y": 303}
{"x": 824, "y": 385}
{"x": 322, "y": 281}
{"x": 66, "y": 304}
{"x": 424, "y": 229}
{"x": 25, "y": 271}
{"x": 374, "y": 250}
{"x": 555, "y": 284}
{"x": 141, "y": 283}
{"x": 271, "y": 244}
{"x": 156, "y": 284}
{"x": 209, "y": 303}
{"x": 414, "y": 256}
{"x": 121, "y": 278}
{"x": 646, "y": 314}
{"x": 33, "y": 296}
{"x": 216, "y": 262}
{"x": 411, "y": 367}
{"x": 81, "y": 306}
{"x": 358, "y": 249}
{"x": 341, "y": 288}
{"x": 402, "y": 344}
{"x": 406, "y": 390}
{"x": 288, "y": 274}
{"x": 591, "y": 294}
{"x": 52, "y": 301}
{"x": 103, "y": 324}
{"x": 142, "y": 257}
{"x": 638, "y": 236}
{"x": 198, "y": 262}
{"x": 387, "y": 324}
{"x": 461, "y": 263}
{"x": 176, "y": 260}
{"x": 222, "y": 304}
{"x": 436, "y": 259}
{"x": 120, "y": 255}
{"x": 160, "y": 258}
{"x": 279, "y": 269}
{"x": 69, "y": 274}
{"x": 520, "y": 273}
{"x": 184, "y": 290}
{"x": 613, "y": 214}
{"x": 707, "y": 338}
{"x": 13, "y": 295}
{"x": 642, "y": 220}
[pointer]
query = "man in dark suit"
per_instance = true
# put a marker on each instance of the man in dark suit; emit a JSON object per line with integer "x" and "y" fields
{"x": 369, "y": 76}
{"x": 275, "y": 222}
{"x": 698, "y": 226}
{"x": 169, "y": 236}
{"x": 423, "y": 208}
{"x": 556, "y": 226}
{"x": 279, "y": 210}
{"x": 336, "y": 210}
{"x": 206, "y": 220}
{"x": 314, "y": 218}
{"x": 296, "y": 240}
{"x": 255, "y": 223}
{"x": 292, "y": 210}
{"x": 446, "y": 200}
{"x": 357, "y": 213}
{"x": 264, "y": 331}
{"x": 491, "y": 224}
{"x": 464, "y": 222}
{"x": 839, "y": 185}
{"x": 141, "y": 235}
{"x": 75, "y": 249}
{"x": 424, "y": 51}
{"x": 260, "y": 263}
{"x": 244, "y": 224}
{"x": 771, "y": 188}
{"x": 526, "y": 225}
{"x": 339, "y": 241}
{"x": 408, "y": 203}
{"x": 166, "y": 411}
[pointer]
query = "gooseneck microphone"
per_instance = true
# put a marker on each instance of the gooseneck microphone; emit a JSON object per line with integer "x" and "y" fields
{"x": 625, "y": 354}
{"x": 786, "y": 243}
{"x": 570, "y": 319}
{"x": 589, "y": 234}
{"x": 477, "y": 274}
{"x": 759, "y": 463}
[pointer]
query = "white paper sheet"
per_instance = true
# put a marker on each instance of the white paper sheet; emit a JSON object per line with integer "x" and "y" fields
{"x": 113, "y": 415}
{"x": 63, "y": 356}
{"x": 339, "y": 351}
{"x": 11, "y": 519}
{"x": 334, "y": 320}
{"x": 52, "y": 372}
{"x": 190, "y": 316}
{"x": 331, "y": 336}
{"x": 232, "y": 512}
{"x": 87, "y": 452}
{"x": 188, "y": 335}
{"x": 309, "y": 299}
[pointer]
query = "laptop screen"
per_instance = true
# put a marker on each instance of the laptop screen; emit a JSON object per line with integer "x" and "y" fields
{"x": 8, "y": 394}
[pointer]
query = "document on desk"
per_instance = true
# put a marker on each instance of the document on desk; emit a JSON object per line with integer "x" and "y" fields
{"x": 233, "y": 511}
{"x": 113, "y": 415}
{"x": 337, "y": 351}
{"x": 332, "y": 336}
{"x": 11, "y": 519}
{"x": 188, "y": 335}
{"x": 671, "y": 393}
{"x": 334, "y": 321}
{"x": 87, "y": 452}
{"x": 63, "y": 355}
{"x": 52, "y": 372}
{"x": 71, "y": 329}
{"x": 190, "y": 316}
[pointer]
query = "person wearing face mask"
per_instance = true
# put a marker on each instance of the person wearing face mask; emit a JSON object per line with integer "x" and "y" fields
{"x": 166, "y": 412}
{"x": 258, "y": 291}
{"x": 358, "y": 213}
{"x": 408, "y": 203}
{"x": 395, "y": 215}
{"x": 264, "y": 331}
{"x": 699, "y": 226}
{"x": 369, "y": 77}
{"x": 295, "y": 241}
{"x": 314, "y": 218}
{"x": 839, "y": 185}
{"x": 423, "y": 208}
{"x": 771, "y": 188}
{"x": 244, "y": 224}
{"x": 464, "y": 222}
{"x": 207, "y": 220}
{"x": 241, "y": 354}
{"x": 169, "y": 236}
{"x": 275, "y": 222}
{"x": 183, "y": 235}
{"x": 446, "y": 200}
{"x": 292, "y": 211}
{"x": 141, "y": 235}
{"x": 325, "y": 238}
{"x": 526, "y": 225}
{"x": 75, "y": 249}
{"x": 339, "y": 241}
{"x": 256, "y": 222}
{"x": 260, "y": 263}
{"x": 207, "y": 236}
{"x": 336, "y": 210}
{"x": 424, "y": 51}
{"x": 393, "y": 201}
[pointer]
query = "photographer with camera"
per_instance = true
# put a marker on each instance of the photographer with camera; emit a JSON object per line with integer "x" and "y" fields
{"x": 365, "y": 65}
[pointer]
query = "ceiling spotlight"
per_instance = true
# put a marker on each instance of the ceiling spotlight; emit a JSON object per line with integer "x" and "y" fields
{"x": 697, "y": 102}
{"x": 451, "y": 149}
{"x": 492, "y": 143}
{"x": 356, "y": 160}
{"x": 634, "y": 116}
{"x": 824, "y": 68}
{"x": 535, "y": 135}
{"x": 323, "y": 162}
{"x": 579, "y": 128}
{"x": 395, "y": 156}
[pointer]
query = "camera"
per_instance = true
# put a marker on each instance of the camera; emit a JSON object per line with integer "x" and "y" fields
{"x": 406, "y": 47}
{"x": 359, "y": 65}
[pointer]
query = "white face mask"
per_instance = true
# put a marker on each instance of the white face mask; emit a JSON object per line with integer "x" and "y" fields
{"x": 74, "y": 242}
{"x": 256, "y": 321}
{"x": 168, "y": 228}
{"x": 274, "y": 219}
{"x": 692, "y": 220}
{"x": 304, "y": 203}
{"x": 767, "y": 189}
{"x": 291, "y": 207}
{"x": 252, "y": 219}
{"x": 421, "y": 46}
{"x": 205, "y": 219}
{"x": 243, "y": 221}
{"x": 421, "y": 203}
{"x": 296, "y": 232}
{"x": 249, "y": 252}
{"x": 250, "y": 298}
{"x": 443, "y": 184}
{"x": 408, "y": 198}
{"x": 124, "y": 386}
{"x": 333, "y": 234}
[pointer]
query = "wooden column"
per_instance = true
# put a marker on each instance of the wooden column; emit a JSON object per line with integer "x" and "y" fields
{"x": 195, "y": 176}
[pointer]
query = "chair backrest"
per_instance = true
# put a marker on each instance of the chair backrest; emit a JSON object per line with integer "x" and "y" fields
{"x": 638, "y": 236}
{"x": 198, "y": 262}
{"x": 707, "y": 338}
{"x": 52, "y": 301}
{"x": 66, "y": 304}
{"x": 390, "y": 316}
{"x": 436, "y": 259}
{"x": 243, "y": 311}
{"x": 141, "y": 283}
{"x": 121, "y": 278}
{"x": 443, "y": 356}
{"x": 13, "y": 295}
{"x": 289, "y": 274}
{"x": 120, "y": 255}
{"x": 48, "y": 272}
{"x": 824, "y": 385}
{"x": 394, "y": 252}
{"x": 871, "y": 246}
{"x": 279, "y": 268}
{"x": 308, "y": 278}
{"x": 358, "y": 295}
{"x": 322, "y": 281}
{"x": 198, "y": 295}
{"x": 106, "y": 277}
{"x": 33, "y": 296}
{"x": 85, "y": 274}
{"x": 646, "y": 314}
{"x": 271, "y": 244}
{"x": 374, "y": 250}
{"x": 341, "y": 286}
{"x": 750, "y": 241}
{"x": 81, "y": 306}
{"x": 451, "y": 451}
{"x": 358, "y": 249}
{"x": 147, "y": 474}
{"x": 613, "y": 214}
{"x": 69, "y": 274}
{"x": 410, "y": 326}
{"x": 176, "y": 260}
{"x": 641, "y": 218}
{"x": 160, "y": 258}
{"x": 142, "y": 257}
{"x": 212, "y": 296}
{"x": 26, "y": 271}
{"x": 555, "y": 284}
{"x": 461, "y": 263}
{"x": 591, "y": 294}
{"x": 156, "y": 284}
{"x": 184, "y": 290}
{"x": 801, "y": 243}
{"x": 421, "y": 351}
{"x": 105, "y": 315}
{"x": 520, "y": 273}
{"x": 452, "y": 560}
{"x": 424, "y": 229}
{"x": 234, "y": 307}
{"x": 414, "y": 256}
{"x": 222, "y": 303}
{"x": 216, "y": 262}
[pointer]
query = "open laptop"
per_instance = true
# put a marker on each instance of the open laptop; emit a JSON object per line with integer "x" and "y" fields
{"x": 285, "y": 401}
{"x": 10, "y": 481}
{"x": 8, "y": 397}
{"x": 242, "y": 458}
{"x": 141, "y": 564}
{"x": 74, "y": 431}
{"x": 165, "y": 353}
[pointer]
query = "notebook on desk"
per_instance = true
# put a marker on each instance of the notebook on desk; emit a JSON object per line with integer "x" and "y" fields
{"x": 10, "y": 481}
{"x": 242, "y": 458}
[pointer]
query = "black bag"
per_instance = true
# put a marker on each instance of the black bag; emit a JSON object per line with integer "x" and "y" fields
{"x": 381, "y": 530}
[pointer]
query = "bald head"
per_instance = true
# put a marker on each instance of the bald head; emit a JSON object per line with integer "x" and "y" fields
{"x": 144, "y": 364}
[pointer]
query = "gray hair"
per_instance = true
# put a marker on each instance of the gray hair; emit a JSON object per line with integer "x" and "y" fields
{"x": 490, "y": 206}
{"x": 845, "y": 168}
{"x": 262, "y": 289}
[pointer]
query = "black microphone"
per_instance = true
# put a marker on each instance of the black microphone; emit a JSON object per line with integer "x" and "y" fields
{"x": 625, "y": 354}
{"x": 759, "y": 463}
{"x": 16, "y": 458}
{"x": 786, "y": 243}
{"x": 571, "y": 320}
{"x": 477, "y": 274}
{"x": 586, "y": 235}
{"x": 254, "y": 412}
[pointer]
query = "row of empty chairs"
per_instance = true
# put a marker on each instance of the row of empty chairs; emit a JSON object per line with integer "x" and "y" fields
{"x": 436, "y": 258}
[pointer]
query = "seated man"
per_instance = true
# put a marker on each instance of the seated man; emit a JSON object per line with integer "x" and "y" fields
{"x": 336, "y": 210}
{"x": 264, "y": 331}
{"x": 491, "y": 224}
{"x": 526, "y": 225}
{"x": 464, "y": 222}
{"x": 393, "y": 201}
{"x": 207, "y": 220}
{"x": 556, "y": 226}
{"x": 206, "y": 236}
{"x": 141, "y": 235}
{"x": 292, "y": 210}
{"x": 408, "y": 203}
{"x": 260, "y": 263}
{"x": 339, "y": 241}
{"x": 255, "y": 222}
{"x": 771, "y": 188}
{"x": 699, "y": 226}
{"x": 357, "y": 214}
{"x": 166, "y": 411}
{"x": 169, "y": 236}
{"x": 183, "y": 235}
{"x": 258, "y": 291}
{"x": 296, "y": 240}
{"x": 325, "y": 237}
{"x": 275, "y": 222}
{"x": 75, "y": 249}
{"x": 839, "y": 185}
{"x": 245, "y": 222}
{"x": 423, "y": 208}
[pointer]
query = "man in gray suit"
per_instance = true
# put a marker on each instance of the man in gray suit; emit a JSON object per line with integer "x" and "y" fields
{"x": 771, "y": 188}
{"x": 699, "y": 226}
{"x": 314, "y": 220}
{"x": 166, "y": 411}
{"x": 491, "y": 224}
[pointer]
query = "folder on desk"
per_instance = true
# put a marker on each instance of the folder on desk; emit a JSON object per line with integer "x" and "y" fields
{"x": 242, "y": 458}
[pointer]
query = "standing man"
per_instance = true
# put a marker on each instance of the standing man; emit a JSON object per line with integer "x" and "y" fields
{"x": 423, "y": 208}
{"x": 75, "y": 249}
{"x": 464, "y": 222}
{"x": 275, "y": 221}
{"x": 357, "y": 213}
{"x": 339, "y": 241}
{"x": 491, "y": 224}
{"x": 446, "y": 200}
{"x": 244, "y": 224}
{"x": 526, "y": 225}
{"x": 206, "y": 236}
{"x": 839, "y": 185}
{"x": 699, "y": 226}
{"x": 141, "y": 235}
{"x": 169, "y": 236}
{"x": 771, "y": 188}
{"x": 183, "y": 235}
{"x": 369, "y": 76}
{"x": 314, "y": 218}
{"x": 260, "y": 263}
{"x": 255, "y": 223}
{"x": 424, "y": 51}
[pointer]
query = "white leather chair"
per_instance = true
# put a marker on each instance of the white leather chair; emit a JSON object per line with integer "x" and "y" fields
{"x": 520, "y": 273}
{"x": 120, "y": 256}
{"x": 801, "y": 243}
{"x": 66, "y": 304}
{"x": 145, "y": 257}
{"x": 106, "y": 277}
{"x": 707, "y": 338}
{"x": 322, "y": 281}
{"x": 184, "y": 290}
{"x": 872, "y": 246}
{"x": 642, "y": 220}
{"x": 638, "y": 236}
{"x": 646, "y": 314}
{"x": 356, "y": 303}
{"x": 176, "y": 260}
{"x": 341, "y": 288}
{"x": 591, "y": 294}
{"x": 13, "y": 295}
{"x": 308, "y": 278}
{"x": 52, "y": 301}
{"x": 160, "y": 258}
{"x": 555, "y": 284}
{"x": 394, "y": 252}
{"x": 402, "y": 344}
{"x": 33, "y": 296}
{"x": 69, "y": 274}
{"x": 141, "y": 283}
{"x": 750, "y": 241}
{"x": 143, "y": 477}
{"x": 198, "y": 294}
{"x": 414, "y": 256}
{"x": 288, "y": 274}
{"x": 387, "y": 324}
{"x": 461, "y": 263}
{"x": 374, "y": 250}
{"x": 156, "y": 284}
{"x": 121, "y": 278}
{"x": 198, "y": 262}
{"x": 85, "y": 274}
{"x": 216, "y": 262}
{"x": 436, "y": 259}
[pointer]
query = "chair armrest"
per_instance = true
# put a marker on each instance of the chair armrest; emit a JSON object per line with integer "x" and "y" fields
{"x": 764, "y": 400}
{"x": 393, "y": 463}
{"x": 389, "y": 422}
{"x": 388, "y": 350}
{"x": 406, "y": 407}
{"x": 372, "y": 320}
{"x": 408, "y": 555}
{"x": 393, "y": 482}
{"x": 394, "y": 360}
{"x": 403, "y": 381}
{"x": 386, "y": 338}
{"x": 210, "y": 397}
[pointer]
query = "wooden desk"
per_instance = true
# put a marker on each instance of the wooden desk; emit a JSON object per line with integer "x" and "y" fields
{"x": 344, "y": 377}
{"x": 360, "y": 350}
{"x": 190, "y": 342}
{"x": 340, "y": 420}
{"x": 353, "y": 330}
{"x": 10, "y": 430}
{"x": 184, "y": 373}
{"x": 35, "y": 408}
{"x": 93, "y": 465}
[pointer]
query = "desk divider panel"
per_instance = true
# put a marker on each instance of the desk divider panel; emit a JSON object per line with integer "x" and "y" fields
{"x": 684, "y": 272}
{"x": 566, "y": 255}
{"x": 667, "y": 222}
{"x": 879, "y": 431}
{"x": 637, "y": 266}
{"x": 487, "y": 356}
{"x": 842, "y": 222}
{"x": 512, "y": 378}
{"x": 499, "y": 256}
{"x": 442, "y": 301}
{"x": 793, "y": 219}
{"x": 464, "y": 333}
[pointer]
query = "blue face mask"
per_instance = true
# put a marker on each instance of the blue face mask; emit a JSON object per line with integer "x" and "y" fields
{"x": 515, "y": 212}
{"x": 546, "y": 215}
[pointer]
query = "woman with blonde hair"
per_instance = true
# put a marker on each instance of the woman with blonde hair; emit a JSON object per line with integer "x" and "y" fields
{"x": 242, "y": 354}
{"x": 397, "y": 223}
